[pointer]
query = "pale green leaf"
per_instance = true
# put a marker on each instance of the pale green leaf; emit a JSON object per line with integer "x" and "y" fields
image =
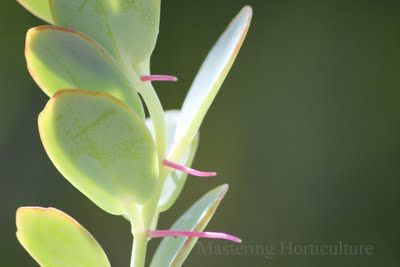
{"x": 60, "y": 58}
{"x": 127, "y": 29}
{"x": 39, "y": 8}
{"x": 102, "y": 147}
{"x": 209, "y": 79}
{"x": 174, "y": 251}
{"x": 54, "y": 239}
{"x": 175, "y": 181}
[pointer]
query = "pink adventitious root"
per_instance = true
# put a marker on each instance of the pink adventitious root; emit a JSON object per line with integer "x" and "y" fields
{"x": 212, "y": 235}
{"x": 187, "y": 170}
{"x": 164, "y": 78}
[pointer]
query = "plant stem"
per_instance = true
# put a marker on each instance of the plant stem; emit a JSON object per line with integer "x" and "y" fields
{"x": 157, "y": 115}
{"x": 139, "y": 247}
{"x": 139, "y": 232}
{"x": 153, "y": 104}
{"x": 149, "y": 211}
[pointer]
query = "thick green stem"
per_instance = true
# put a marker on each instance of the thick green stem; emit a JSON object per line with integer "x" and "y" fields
{"x": 157, "y": 115}
{"x": 144, "y": 217}
{"x": 149, "y": 211}
{"x": 160, "y": 134}
{"x": 153, "y": 104}
{"x": 139, "y": 247}
{"x": 139, "y": 232}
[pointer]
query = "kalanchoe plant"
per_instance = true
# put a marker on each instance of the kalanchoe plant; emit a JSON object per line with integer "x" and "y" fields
{"x": 93, "y": 61}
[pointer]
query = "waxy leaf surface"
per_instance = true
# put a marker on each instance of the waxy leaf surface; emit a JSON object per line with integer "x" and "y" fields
{"x": 174, "y": 251}
{"x": 54, "y": 239}
{"x": 127, "y": 29}
{"x": 102, "y": 147}
{"x": 60, "y": 58}
{"x": 39, "y": 8}
{"x": 210, "y": 77}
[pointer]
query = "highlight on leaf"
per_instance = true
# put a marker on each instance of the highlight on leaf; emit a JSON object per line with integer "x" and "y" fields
{"x": 209, "y": 80}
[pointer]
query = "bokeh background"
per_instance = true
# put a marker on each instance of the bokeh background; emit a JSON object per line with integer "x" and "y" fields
{"x": 306, "y": 130}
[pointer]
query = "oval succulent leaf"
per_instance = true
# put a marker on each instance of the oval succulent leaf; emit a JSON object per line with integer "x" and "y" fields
{"x": 61, "y": 58}
{"x": 53, "y": 238}
{"x": 101, "y": 146}
{"x": 210, "y": 78}
{"x": 175, "y": 181}
{"x": 39, "y": 8}
{"x": 174, "y": 251}
{"x": 127, "y": 29}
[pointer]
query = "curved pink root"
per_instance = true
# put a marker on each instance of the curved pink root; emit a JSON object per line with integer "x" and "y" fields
{"x": 188, "y": 170}
{"x": 213, "y": 235}
{"x": 150, "y": 78}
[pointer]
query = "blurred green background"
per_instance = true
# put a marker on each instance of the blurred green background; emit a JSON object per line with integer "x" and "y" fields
{"x": 306, "y": 130}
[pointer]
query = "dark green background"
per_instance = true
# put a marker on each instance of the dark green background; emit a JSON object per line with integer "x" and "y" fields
{"x": 306, "y": 130}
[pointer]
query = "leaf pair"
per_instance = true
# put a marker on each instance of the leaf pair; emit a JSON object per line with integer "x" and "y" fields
{"x": 174, "y": 251}
{"x": 97, "y": 142}
{"x": 53, "y": 238}
{"x": 183, "y": 126}
{"x": 60, "y": 58}
{"x": 116, "y": 24}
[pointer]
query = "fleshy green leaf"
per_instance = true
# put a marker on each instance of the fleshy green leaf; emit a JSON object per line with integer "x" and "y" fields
{"x": 127, "y": 29}
{"x": 101, "y": 146}
{"x": 174, "y": 251}
{"x": 60, "y": 58}
{"x": 39, "y": 8}
{"x": 175, "y": 180}
{"x": 209, "y": 79}
{"x": 54, "y": 239}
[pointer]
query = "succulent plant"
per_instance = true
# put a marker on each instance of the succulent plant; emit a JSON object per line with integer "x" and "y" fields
{"x": 93, "y": 61}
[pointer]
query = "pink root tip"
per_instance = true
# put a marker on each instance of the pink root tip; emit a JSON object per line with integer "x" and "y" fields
{"x": 187, "y": 170}
{"x": 212, "y": 235}
{"x": 150, "y": 78}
